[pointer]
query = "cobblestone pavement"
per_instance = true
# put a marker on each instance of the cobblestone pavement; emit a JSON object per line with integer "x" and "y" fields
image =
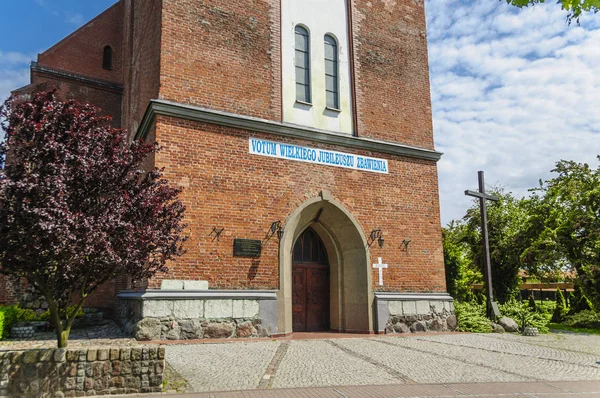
{"x": 560, "y": 389}
{"x": 387, "y": 360}
{"x": 107, "y": 334}
{"x": 561, "y": 340}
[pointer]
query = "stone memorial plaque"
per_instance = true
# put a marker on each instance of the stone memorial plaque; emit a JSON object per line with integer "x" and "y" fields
{"x": 246, "y": 248}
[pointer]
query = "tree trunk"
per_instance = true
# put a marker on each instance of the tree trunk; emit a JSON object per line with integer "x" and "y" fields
{"x": 63, "y": 340}
{"x": 69, "y": 321}
{"x": 62, "y": 336}
{"x": 62, "y": 332}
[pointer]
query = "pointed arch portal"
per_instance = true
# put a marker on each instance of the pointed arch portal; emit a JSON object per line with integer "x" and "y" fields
{"x": 325, "y": 278}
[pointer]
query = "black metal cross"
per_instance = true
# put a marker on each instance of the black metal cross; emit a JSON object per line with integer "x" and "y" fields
{"x": 492, "y": 308}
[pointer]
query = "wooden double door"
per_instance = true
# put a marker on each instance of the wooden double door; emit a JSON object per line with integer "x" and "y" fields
{"x": 310, "y": 284}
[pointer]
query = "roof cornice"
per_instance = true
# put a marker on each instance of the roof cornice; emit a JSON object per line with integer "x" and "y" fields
{"x": 35, "y": 67}
{"x": 227, "y": 119}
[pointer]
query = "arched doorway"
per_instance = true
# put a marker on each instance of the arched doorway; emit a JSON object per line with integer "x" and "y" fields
{"x": 310, "y": 284}
{"x": 350, "y": 294}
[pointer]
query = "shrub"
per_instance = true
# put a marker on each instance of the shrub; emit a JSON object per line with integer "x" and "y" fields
{"x": 561, "y": 308}
{"x": 585, "y": 319}
{"x": 571, "y": 301}
{"x": 9, "y": 315}
{"x": 579, "y": 302}
{"x": 7, "y": 318}
{"x": 471, "y": 317}
{"x": 531, "y": 302}
{"x": 45, "y": 316}
{"x": 524, "y": 316}
{"x": 546, "y": 307}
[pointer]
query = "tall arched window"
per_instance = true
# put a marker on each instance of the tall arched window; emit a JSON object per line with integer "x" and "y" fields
{"x": 332, "y": 89}
{"x": 107, "y": 58}
{"x": 302, "y": 64}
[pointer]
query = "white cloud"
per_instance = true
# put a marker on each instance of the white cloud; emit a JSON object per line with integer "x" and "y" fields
{"x": 76, "y": 19}
{"x": 513, "y": 91}
{"x": 14, "y": 72}
{"x": 12, "y": 58}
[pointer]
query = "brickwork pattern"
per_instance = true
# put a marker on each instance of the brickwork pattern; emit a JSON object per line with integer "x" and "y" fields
{"x": 220, "y": 55}
{"x": 82, "y": 51}
{"x": 392, "y": 72}
{"x": 80, "y": 372}
{"x": 230, "y": 60}
{"x": 227, "y": 56}
{"x": 9, "y": 290}
{"x": 109, "y": 101}
{"x": 142, "y": 52}
{"x": 226, "y": 187}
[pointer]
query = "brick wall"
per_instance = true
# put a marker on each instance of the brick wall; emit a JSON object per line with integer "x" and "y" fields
{"x": 141, "y": 50}
{"x": 392, "y": 72}
{"x": 109, "y": 101}
{"x": 229, "y": 59}
{"x": 222, "y": 55}
{"x": 225, "y": 55}
{"x": 226, "y": 187}
{"x": 9, "y": 290}
{"x": 82, "y": 51}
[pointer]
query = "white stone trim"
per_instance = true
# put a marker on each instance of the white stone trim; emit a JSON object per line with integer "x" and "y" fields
{"x": 199, "y": 295}
{"x": 390, "y": 296}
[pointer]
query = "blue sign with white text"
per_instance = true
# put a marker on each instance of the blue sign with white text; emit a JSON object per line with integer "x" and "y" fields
{"x": 318, "y": 156}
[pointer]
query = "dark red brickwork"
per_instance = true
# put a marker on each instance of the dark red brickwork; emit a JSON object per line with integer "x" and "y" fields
{"x": 392, "y": 73}
{"x": 9, "y": 290}
{"x": 229, "y": 58}
{"x": 108, "y": 100}
{"x": 82, "y": 51}
{"x": 141, "y": 44}
{"x": 220, "y": 54}
{"x": 226, "y": 187}
{"x": 226, "y": 55}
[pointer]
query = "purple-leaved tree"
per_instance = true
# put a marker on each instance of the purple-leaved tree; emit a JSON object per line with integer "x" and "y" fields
{"x": 77, "y": 209}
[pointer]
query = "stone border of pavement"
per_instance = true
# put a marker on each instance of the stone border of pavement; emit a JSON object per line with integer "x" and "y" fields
{"x": 559, "y": 389}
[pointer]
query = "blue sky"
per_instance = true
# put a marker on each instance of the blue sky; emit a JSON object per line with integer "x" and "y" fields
{"x": 513, "y": 91}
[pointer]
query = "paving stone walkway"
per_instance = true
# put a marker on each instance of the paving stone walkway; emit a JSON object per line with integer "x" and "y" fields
{"x": 109, "y": 333}
{"x": 387, "y": 360}
{"x": 561, "y": 389}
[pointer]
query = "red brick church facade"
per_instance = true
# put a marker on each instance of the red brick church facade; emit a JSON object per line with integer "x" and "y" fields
{"x": 208, "y": 81}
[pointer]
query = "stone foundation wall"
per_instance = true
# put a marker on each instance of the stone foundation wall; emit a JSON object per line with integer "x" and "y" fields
{"x": 443, "y": 322}
{"x": 190, "y": 316}
{"x": 80, "y": 372}
{"x": 194, "y": 329}
{"x": 414, "y": 313}
{"x": 33, "y": 300}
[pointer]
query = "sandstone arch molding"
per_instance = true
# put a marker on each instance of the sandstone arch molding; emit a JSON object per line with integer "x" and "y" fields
{"x": 351, "y": 295}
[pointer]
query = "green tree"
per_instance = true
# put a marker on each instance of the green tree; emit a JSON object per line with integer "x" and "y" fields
{"x": 506, "y": 218}
{"x": 461, "y": 272}
{"x": 531, "y": 303}
{"x": 574, "y": 7}
{"x": 561, "y": 307}
{"x": 564, "y": 225}
{"x": 580, "y": 301}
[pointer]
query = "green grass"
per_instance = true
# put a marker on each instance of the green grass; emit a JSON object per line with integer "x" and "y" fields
{"x": 559, "y": 326}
